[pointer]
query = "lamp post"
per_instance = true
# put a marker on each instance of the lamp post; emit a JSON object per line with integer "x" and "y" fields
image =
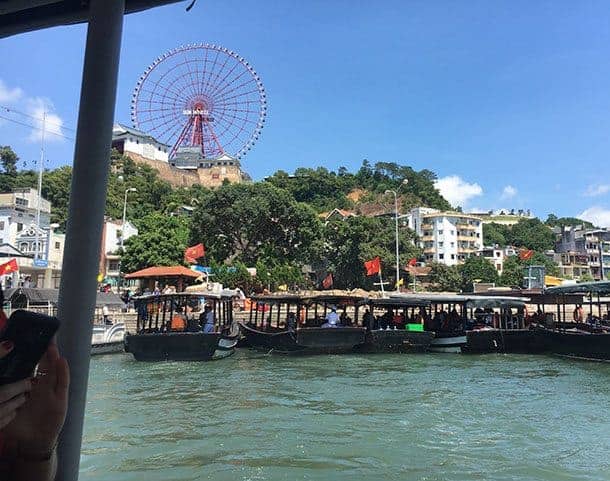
{"x": 393, "y": 192}
{"x": 131, "y": 189}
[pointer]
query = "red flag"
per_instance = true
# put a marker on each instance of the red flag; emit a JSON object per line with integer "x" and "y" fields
{"x": 328, "y": 281}
{"x": 373, "y": 266}
{"x": 9, "y": 267}
{"x": 191, "y": 254}
{"x": 412, "y": 262}
{"x": 526, "y": 254}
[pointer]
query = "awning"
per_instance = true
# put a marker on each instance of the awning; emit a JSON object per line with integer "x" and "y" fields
{"x": 597, "y": 287}
{"x": 160, "y": 272}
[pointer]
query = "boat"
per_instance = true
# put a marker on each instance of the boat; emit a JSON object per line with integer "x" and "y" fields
{"x": 108, "y": 339}
{"x": 168, "y": 327}
{"x": 388, "y": 328}
{"x": 579, "y": 340}
{"x": 501, "y": 325}
{"x": 445, "y": 315}
{"x": 295, "y": 323}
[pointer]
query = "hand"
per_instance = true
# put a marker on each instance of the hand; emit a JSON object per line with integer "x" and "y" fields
{"x": 36, "y": 427}
{"x": 12, "y": 396}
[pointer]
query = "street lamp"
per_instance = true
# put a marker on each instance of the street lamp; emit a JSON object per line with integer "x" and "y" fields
{"x": 404, "y": 182}
{"x": 131, "y": 189}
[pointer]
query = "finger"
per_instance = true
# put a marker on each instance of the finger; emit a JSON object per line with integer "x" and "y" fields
{"x": 6, "y": 420}
{"x": 5, "y": 348}
{"x": 9, "y": 391}
{"x": 62, "y": 373}
{"x": 11, "y": 406}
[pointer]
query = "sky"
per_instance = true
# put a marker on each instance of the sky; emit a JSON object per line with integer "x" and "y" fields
{"x": 508, "y": 102}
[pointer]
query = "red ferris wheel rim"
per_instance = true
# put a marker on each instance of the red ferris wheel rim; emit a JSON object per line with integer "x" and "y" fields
{"x": 201, "y": 95}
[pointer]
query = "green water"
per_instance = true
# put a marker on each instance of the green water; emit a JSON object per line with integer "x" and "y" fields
{"x": 390, "y": 417}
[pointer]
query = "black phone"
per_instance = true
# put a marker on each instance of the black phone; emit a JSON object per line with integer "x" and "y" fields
{"x": 30, "y": 333}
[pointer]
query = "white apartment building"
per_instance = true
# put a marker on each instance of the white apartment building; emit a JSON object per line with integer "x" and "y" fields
{"x": 18, "y": 210}
{"x": 446, "y": 237}
{"x": 498, "y": 255}
{"x": 110, "y": 260}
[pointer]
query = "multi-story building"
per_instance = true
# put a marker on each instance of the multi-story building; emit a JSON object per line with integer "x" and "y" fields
{"x": 581, "y": 248}
{"x": 18, "y": 210}
{"x": 497, "y": 255}
{"x": 187, "y": 167}
{"x": 446, "y": 237}
{"x": 110, "y": 258}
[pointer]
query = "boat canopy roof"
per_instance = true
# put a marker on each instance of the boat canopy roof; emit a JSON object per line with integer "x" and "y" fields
{"x": 399, "y": 302}
{"x": 473, "y": 300}
{"x": 334, "y": 296}
{"x": 596, "y": 287}
{"x": 225, "y": 294}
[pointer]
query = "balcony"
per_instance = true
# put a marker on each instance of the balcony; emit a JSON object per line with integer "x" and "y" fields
{"x": 465, "y": 226}
{"x": 426, "y": 227}
{"x": 430, "y": 250}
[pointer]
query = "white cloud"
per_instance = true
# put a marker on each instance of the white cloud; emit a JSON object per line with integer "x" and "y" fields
{"x": 597, "y": 215}
{"x": 595, "y": 190}
{"x": 508, "y": 192}
{"x": 38, "y": 107}
{"x": 457, "y": 191}
{"x": 8, "y": 95}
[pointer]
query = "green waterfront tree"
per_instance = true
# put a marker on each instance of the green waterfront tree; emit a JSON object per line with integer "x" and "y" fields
{"x": 476, "y": 269}
{"x": 161, "y": 241}
{"x": 531, "y": 234}
{"x": 445, "y": 278}
{"x": 513, "y": 268}
{"x": 247, "y": 222}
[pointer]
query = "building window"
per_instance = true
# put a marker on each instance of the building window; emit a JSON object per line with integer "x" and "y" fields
{"x": 113, "y": 266}
{"x": 441, "y": 256}
{"x": 20, "y": 201}
{"x": 1, "y": 224}
{"x": 452, "y": 232}
{"x": 453, "y": 244}
{"x": 452, "y": 256}
{"x": 19, "y": 226}
{"x": 58, "y": 245}
{"x": 440, "y": 244}
{"x": 440, "y": 232}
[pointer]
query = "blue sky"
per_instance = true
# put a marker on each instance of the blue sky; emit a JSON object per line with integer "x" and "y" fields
{"x": 508, "y": 102}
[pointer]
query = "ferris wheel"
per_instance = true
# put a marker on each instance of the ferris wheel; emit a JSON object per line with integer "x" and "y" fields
{"x": 203, "y": 96}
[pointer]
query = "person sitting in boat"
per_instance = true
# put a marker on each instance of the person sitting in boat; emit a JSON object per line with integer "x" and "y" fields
{"x": 207, "y": 319}
{"x": 345, "y": 319}
{"x": 398, "y": 320}
{"x": 178, "y": 321}
{"x": 291, "y": 321}
{"x": 332, "y": 318}
{"x": 578, "y": 314}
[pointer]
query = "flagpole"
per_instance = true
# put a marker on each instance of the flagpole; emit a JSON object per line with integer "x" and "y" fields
{"x": 381, "y": 283}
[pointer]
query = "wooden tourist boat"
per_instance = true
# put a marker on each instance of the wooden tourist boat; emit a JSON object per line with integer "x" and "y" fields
{"x": 580, "y": 340}
{"x": 170, "y": 327}
{"x": 296, "y": 323}
{"x": 445, "y": 315}
{"x": 501, "y": 325}
{"x": 390, "y": 326}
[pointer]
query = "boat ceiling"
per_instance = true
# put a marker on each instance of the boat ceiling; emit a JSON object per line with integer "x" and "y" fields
{"x": 596, "y": 287}
{"x": 19, "y": 16}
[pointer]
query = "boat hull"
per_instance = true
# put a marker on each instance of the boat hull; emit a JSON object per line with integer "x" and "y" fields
{"x": 448, "y": 343}
{"x": 99, "y": 348}
{"x": 173, "y": 346}
{"x": 396, "y": 340}
{"x": 514, "y": 341}
{"x": 311, "y": 340}
{"x": 578, "y": 344}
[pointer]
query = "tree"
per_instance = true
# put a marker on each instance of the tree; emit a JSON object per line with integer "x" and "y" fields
{"x": 496, "y": 234}
{"x": 247, "y": 222}
{"x": 532, "y": 234}
{"x": 477, "y": 269}
{"x": 160, "y": 242}
{"x": 554, "y": 221}
{"x": 351, "y": 242}
{"x": 445, "y": 278}
{"x": 9, "y": 160}
{"x": 513, "y": 268}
